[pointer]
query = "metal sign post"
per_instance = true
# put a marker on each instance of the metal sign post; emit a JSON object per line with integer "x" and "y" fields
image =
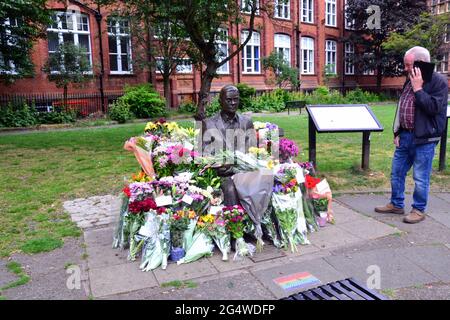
{"x": 443, "y": 147}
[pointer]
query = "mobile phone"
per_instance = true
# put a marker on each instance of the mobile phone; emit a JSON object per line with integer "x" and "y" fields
{"x": 426, "y": 68}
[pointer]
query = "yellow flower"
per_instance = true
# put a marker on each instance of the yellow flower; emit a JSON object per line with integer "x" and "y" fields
{"x": 270, "y": 164}
{"x": 150, "y": 126}
{"x": 171, "y": 125}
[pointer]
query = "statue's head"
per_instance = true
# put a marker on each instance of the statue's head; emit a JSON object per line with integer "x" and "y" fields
{"x": 229, "y": 99}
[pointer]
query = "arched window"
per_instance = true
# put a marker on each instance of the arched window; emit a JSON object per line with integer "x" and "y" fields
{"x": 307, "y": 49}
{"x": 282, "y": 44}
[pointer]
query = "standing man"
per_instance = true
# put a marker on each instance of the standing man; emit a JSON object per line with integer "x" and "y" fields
{"x": 418, "y": 126}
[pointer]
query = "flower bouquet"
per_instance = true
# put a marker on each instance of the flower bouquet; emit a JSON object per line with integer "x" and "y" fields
{"x": 288, "y": 150}
{"x": 269, "y": 223}
{"x": 214, "y": 226}
{"x": 179, "y": 223}
{"x": 120, "y": 239}
{"x": 201, "y": 245}
{"x": 234, "y": 218}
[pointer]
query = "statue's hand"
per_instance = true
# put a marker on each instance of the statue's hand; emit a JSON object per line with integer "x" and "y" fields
{"x": 225, "y": 170}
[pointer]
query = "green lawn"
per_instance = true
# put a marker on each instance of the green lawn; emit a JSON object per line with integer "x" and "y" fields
{"x": 39, "y": 171}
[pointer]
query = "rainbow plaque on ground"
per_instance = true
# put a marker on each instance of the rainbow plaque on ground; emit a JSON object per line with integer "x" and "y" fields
{"x": 297, "y": 281}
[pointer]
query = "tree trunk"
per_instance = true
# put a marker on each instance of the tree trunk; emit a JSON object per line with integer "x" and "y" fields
{"x": 167, "y": 92}
{"x": 379, "y": 78}
{"x": 203, "y": 95}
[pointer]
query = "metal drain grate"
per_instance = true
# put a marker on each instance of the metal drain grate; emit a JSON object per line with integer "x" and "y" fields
{"x": 348, "y": 289}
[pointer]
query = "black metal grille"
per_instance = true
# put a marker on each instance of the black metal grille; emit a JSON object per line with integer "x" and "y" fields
{"x": 348, "y": 289}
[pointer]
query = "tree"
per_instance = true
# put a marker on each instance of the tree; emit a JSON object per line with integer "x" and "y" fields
{"x": 21, "y": 22}
{"x": 166, "y": 45}
{"x": 69, "y": 64}
{"x": 374, "y": 21}
{"x": 202, "y": 20}
{"x": 284, "y": 73}
{"x": 429, "y": 33}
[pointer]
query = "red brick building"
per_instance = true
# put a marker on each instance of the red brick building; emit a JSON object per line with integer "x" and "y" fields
{"x": 307, "y": 32}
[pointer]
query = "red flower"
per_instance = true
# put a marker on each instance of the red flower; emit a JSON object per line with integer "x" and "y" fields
{"x": 311, "y": 182}
{"x": 161, "y": 210}
{"x": 162, "y": 120}
{"x": 127, "y": 191}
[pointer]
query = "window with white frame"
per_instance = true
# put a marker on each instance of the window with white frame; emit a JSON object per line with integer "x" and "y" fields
{"x": 447, "y": 33}
{"x": 369, "y": 58}
{"x": 442, "y": 65}
{"x": 330, "y": 56}
{"x": 184, "y": 66}
{"x": 69, "y": 27}
{"x": 119, "y": 41}
{"x": 307, "y": 11}
{"x": 251, "y": 53}
{"x": 248, "y": 5}
{"x": 349, "y": 58}
{"x": 330, "y": 13}
{"x": 283, "y": 9}
{"x": 282, "y": 44}
{"x": 7, "y": 40}
{"x": 222, "y": 48}
{"x": 307, "y": 50}
{"x": 349, "y": 24}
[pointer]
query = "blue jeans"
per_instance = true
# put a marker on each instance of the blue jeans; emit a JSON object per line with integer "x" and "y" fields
{"x": 408, "y": 155}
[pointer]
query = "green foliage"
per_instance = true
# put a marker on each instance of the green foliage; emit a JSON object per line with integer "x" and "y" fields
{"x": 32, "y": 18}
{"x": 119, "y": 111}
{"x": 20, "y": 116}
{"x": 187, "y": 107}
{"x": 246, "y": 93}
{"x": 270, "y": 101}
{"x": 144, "y": 101}
{"x": 56, "y": 117}
{"x": 69, "y": 64}
{"x": 360, "y": 96}
{"x": 284, "y": 74}
{"x": 41, "y": 245}
{"x": 429, "y": 33}
{"x": 213, "y": 107}
{"x": 370, "y": 35}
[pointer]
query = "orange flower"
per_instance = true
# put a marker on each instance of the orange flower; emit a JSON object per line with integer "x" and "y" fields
{"x": 191, "y": 214}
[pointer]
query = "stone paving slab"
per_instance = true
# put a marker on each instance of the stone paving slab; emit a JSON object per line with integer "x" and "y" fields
{"x": 364, "y": 204}
{"x": 433, "y": 259}
{"x": 94, "y": 211}
{"x": 368, "y": 228}
{"x": 269, "y": 252}
{"x": 99, "y": 237}
{"x": 428, "y": 231}
{"x": 105, "y": 256}
{"x": 331, "y": 237}
{"x": 185, "y": 271}
{"x": 119, "y": 279}
{"x": 343, "y": 214}
{"x": 230, "y": 265}
{"x": 395, "y": 270}
{"x": 238, "y": 287}
{"x": 319, "y": 268}
{"x": 443, "y": 196}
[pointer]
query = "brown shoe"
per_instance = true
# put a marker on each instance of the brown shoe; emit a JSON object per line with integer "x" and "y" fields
{"x": 389, "y": 208}
{"x": 414, "y": 217}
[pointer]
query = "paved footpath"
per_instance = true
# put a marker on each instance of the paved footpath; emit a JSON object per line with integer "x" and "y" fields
{"x": 413, "y": 261}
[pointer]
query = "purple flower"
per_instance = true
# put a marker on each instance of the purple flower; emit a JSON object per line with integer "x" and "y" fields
{"x": 288, "y": 148}
{"x": 271, "y": 126}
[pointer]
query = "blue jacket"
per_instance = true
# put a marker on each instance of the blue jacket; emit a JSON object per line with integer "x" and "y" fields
{"x": 430, "y": 116}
